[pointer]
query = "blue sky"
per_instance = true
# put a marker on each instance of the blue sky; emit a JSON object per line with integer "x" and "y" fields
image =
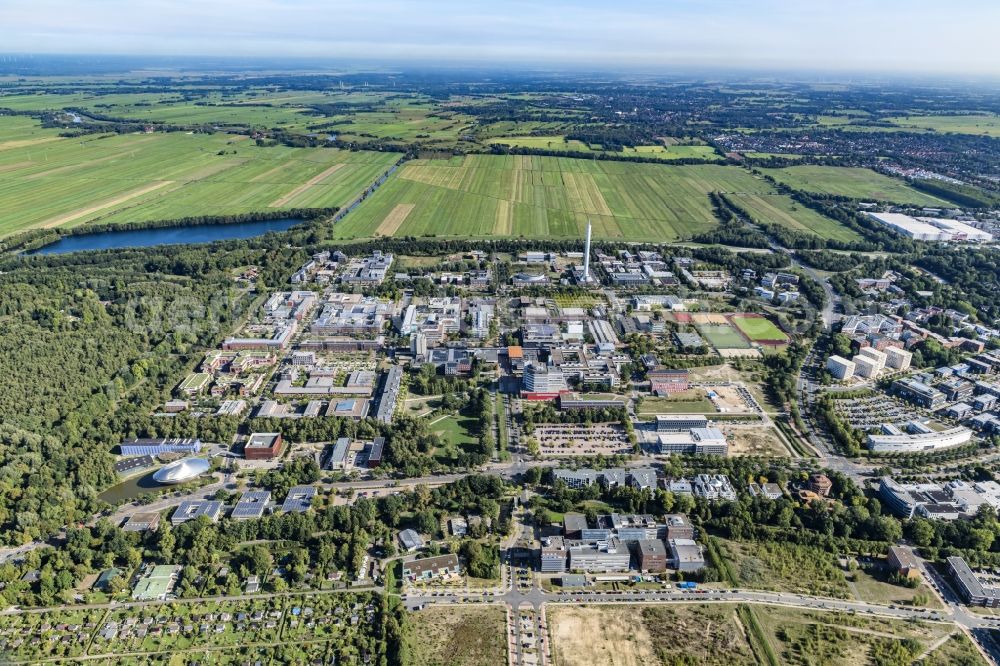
{"x": 958, "y": 37}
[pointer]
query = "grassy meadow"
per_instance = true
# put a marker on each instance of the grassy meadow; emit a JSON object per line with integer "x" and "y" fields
{"x": 786, "y": 212}
{"x": 136, "y": 177}
{"x": 984, "y": 124}
{"x": 856, "y": 182}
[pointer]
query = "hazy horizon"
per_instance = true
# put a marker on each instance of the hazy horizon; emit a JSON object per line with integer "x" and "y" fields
{"x": 916, "y": 37}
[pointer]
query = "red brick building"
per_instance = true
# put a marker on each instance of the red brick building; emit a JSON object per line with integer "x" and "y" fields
{"x": 665, "y": 382}
{"x": 263, "y": 446}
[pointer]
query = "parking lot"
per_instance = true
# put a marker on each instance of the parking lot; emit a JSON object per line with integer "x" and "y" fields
{"x": 581, "y": 439}
{"x": 872, "y": 411}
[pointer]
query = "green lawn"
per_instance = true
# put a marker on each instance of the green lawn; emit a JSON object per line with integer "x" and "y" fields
{"x": 545, "y": 197}
{"x": 759, "y": 328}
{"x": 853, "y": 182}
{"x": 135, "y": 177}
{"x": 456, "y": 432}
{"x": 692, "y": 401}
{"x": 873, "y": 586}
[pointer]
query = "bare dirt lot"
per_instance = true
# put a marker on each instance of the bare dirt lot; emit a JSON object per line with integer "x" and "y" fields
{"x": 755, "y": 440}
{"x": 646, "y": 635}
{"x": 600, "y": 635}
{"x": 729, "y": 401}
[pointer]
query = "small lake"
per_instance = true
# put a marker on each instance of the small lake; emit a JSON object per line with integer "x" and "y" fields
{"x": 132, "y": 488}
{"x": 204, "y": 233}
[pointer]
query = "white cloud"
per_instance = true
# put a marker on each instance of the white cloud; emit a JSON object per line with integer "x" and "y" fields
{"x": 890, "y": 35}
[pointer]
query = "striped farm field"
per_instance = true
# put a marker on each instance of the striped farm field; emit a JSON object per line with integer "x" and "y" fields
{"x": 136, "y": 177}
{"x": 548, "y": 197}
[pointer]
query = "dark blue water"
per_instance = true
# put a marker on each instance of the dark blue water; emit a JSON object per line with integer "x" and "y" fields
{"x": 206, "y": 233}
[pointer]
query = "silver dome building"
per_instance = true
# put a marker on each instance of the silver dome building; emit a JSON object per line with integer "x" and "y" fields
{"x": 181, "y": 471}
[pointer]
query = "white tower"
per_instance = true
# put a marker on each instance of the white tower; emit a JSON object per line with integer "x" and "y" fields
{"x": 586, "y": 255}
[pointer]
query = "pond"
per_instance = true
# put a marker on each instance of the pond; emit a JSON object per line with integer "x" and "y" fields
{"x": 133, "y": 488}
{"x": 203, "y": 233}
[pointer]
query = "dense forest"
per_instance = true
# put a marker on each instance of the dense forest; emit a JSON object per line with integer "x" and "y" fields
{"x": 88, "y": 345}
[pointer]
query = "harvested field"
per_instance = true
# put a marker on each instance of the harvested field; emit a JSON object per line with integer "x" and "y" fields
{"x": 394, "y": 219}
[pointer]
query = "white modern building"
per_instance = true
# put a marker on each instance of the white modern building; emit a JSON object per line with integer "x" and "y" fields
{"x": 898, "y": 359}
{"x": 865, "y": 367}
{"x": 840, "y": 367}
{"x": 543, "y": 379}
{"x": 877, "y": 357}
{"x": 892, "y": 440}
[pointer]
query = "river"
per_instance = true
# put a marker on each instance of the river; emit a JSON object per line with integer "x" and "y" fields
{"x": 204, "y": 233}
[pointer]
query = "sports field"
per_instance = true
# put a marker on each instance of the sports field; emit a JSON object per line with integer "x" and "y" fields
{"x": 723, "y": 336}
{"x": 786, "y": 212}
{"x": 547, "y": 197}
{"x": 136, "y": 177}
{"x": 759, "y": 329}
{"x": 855, "y": 182}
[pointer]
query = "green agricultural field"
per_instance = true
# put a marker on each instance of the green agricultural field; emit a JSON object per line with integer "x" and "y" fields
{"x": 758, "y": 328}
{"x": 137, "y": 177}
{"x": 171, "y": 108}
{"x": 764, "y": 156}
{"x": 784, "y": 211}
{"x": 722, "y": 336}
{"x": 853, "y": 182}
{"x": 545, "y": 197}
{"x": 513, "y": 128}
{"x": 559, "y": 143}
{"x": 20, "y": 131}
{"x": 983, "y": 124}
